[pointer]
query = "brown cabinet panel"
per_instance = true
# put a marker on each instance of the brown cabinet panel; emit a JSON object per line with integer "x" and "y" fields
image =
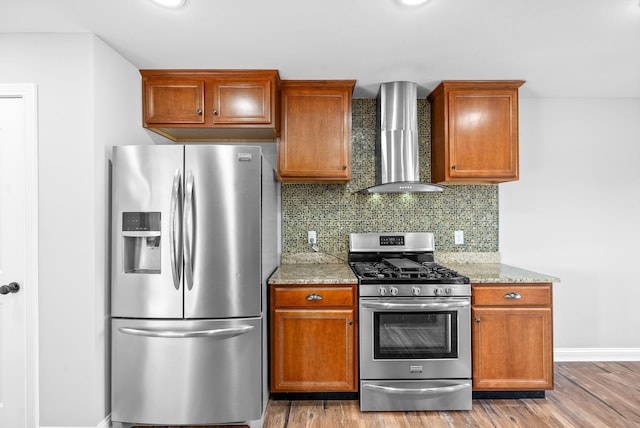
{"x": 316, "y": 298}
{"x": 174, "y": 100}
{"x": 313, "y": 343}
{"x": 241, "y": 101}
{"x": 314, "y": 351}
{"x": 512, "y": 337}
{"x": 474, "y": 135}
{"x": 512, "y": 295}
{"x": 212, "y": 105}
{"x": 512, "y": 349}
{"x": 315, "y": 145}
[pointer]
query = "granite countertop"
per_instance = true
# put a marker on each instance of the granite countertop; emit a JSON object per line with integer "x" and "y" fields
{"x": 313, "y": 273}
{"x": 340, "y": 273}
{"x": 483, "y": 273}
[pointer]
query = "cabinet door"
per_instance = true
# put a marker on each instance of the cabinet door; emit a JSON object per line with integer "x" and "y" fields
{"x": 173, "y": 101}
{"x": 483, "y": 134}
{"x": 512, "y": 348}
{"x": 313, "y": 351}
{"x": 316, "y": 132}
{"x": 240, "y": 101}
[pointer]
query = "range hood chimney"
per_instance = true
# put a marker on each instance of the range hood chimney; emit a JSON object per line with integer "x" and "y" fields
{"x": 397, "y": 169}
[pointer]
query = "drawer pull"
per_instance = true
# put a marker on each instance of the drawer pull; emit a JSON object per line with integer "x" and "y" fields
{"x": 512, "y": 295}
{"x": 314, "y": 296}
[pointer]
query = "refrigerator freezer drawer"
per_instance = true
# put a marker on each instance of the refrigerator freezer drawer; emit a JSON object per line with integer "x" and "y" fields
{"x": 186, "y": 372}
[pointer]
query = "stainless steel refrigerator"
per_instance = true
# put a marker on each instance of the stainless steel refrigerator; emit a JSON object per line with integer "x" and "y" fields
{"x": 195, "y": 235}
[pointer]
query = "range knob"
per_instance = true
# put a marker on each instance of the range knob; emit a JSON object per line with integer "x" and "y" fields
{"x": 393, "y": 291}
{"x": 448, "y": 290}
{"x": 438, "y": 291}
{"x": 382, "y": 291}
{"x": 415, "y": 291}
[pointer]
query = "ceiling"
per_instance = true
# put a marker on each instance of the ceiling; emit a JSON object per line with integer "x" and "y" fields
{"x": 562, "y": 48}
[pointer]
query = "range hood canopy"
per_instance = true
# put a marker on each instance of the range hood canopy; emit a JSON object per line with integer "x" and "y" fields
{"x": 397, "y": 168}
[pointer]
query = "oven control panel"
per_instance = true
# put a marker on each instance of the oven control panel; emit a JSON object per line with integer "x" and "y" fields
{"x": 418, "y": 290}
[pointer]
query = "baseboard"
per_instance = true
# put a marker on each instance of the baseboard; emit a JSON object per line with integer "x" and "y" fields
{"x": 105, "y": 423}
{"x": 596, "y": 354}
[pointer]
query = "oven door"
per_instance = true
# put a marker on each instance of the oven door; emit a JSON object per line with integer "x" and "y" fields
{"x": 415, "y": 338}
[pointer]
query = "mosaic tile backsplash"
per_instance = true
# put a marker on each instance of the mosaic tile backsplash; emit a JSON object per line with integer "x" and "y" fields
{"x": 335, "y": 210}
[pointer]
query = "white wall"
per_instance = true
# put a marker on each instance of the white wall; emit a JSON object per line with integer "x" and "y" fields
{"x": 88, "y": 99}
{"x": 575, "y": 214}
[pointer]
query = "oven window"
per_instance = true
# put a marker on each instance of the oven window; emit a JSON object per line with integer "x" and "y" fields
{"x": 415, "y": 335}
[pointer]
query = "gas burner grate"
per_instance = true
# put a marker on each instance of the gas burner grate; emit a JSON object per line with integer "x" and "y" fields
{"x": 403, "y": 269}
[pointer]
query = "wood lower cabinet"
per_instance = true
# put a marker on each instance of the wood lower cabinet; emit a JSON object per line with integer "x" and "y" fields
{"x": 315, "y": 145}
{"x": 474, "y": 131}
{"x": 512, "y": 337}
{"x": 211, "y": 105}
{"x": 313, "y": 342}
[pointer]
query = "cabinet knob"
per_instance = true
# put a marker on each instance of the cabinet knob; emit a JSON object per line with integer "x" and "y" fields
{"x": 477, "y": 320}
{"x": 512, "y": 295}
{"x": 314, "y": 296}
{"x": 349, "y": 322}
{"x": 199, "y": 111}
{"x": 214, "y": 111}
{"x": 344, "y": 167}
{"x": 453, "y": 166}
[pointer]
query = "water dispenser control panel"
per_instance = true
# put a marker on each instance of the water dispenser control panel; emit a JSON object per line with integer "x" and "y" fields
{"x": 141, "y": 233}
{"x": 140, "y": 221}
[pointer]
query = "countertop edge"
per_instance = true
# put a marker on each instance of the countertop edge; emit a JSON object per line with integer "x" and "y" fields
{"x": 340, "y": 273}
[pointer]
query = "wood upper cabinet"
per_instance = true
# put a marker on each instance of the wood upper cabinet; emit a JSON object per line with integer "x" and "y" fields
{"x": 512, "y": 337}
{"x": 474, "y": 131}
{"x": 315, "y": 145}
{"x": 212, "y": 105}
{"x": 313, "y": 338}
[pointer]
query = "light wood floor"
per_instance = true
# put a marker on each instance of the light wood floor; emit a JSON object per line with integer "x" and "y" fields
{"x": 586, "y": 394}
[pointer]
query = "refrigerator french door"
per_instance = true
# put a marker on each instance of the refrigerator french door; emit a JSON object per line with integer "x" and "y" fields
{"x": 190, "y": 256}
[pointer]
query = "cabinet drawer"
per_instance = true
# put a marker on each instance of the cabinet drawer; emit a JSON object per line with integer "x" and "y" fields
{"x": 511, "y": 295}
{"x": 313, "y": 296}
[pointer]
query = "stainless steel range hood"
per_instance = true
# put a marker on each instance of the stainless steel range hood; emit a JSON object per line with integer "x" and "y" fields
{"x": 397, "y": 169}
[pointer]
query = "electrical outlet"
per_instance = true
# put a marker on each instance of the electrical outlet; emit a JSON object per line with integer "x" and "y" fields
{"x": 458, "y": 236}
{"x": 311, "y": 237}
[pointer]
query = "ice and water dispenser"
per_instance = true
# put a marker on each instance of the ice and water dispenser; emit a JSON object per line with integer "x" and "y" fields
{"x": 141, "y": 234}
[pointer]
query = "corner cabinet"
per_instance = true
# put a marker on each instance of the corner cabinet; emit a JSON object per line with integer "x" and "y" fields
{"x": 474, "y": 131}
{"x": 315, "y": 145}
{"x": 211, "y": 105}
{"x": 313, "y": 338}
{"x": 512, "y": 337}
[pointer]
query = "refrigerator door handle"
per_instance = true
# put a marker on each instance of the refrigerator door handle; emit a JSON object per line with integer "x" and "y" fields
{"x": 175, "y": 225}
{"x": 219, "y": 333}
{"x": 188, "y": 224}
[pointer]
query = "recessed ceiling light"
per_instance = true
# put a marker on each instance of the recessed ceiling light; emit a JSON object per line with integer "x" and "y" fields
{"x": 172, "y": 4}
{"x": 413, "y": 2}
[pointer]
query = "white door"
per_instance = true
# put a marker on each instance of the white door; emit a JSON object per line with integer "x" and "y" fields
{"x": 16, "y": 347}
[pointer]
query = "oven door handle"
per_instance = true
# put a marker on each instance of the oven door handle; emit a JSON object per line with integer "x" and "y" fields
{"x": 414, "y": 306}
{"x": 417, "y": 391}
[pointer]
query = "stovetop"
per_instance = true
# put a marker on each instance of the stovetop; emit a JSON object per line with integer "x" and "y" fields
{"x": 403, "y": 270}
{"x": 402, "y": 265}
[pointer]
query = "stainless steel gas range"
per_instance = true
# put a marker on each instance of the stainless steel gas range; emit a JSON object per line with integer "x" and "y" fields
{"x": 415, "y": 325}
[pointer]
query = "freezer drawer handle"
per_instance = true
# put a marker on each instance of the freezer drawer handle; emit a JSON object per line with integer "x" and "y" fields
{"x": 417, "y": 391}
{"x": 220, "y": 333}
